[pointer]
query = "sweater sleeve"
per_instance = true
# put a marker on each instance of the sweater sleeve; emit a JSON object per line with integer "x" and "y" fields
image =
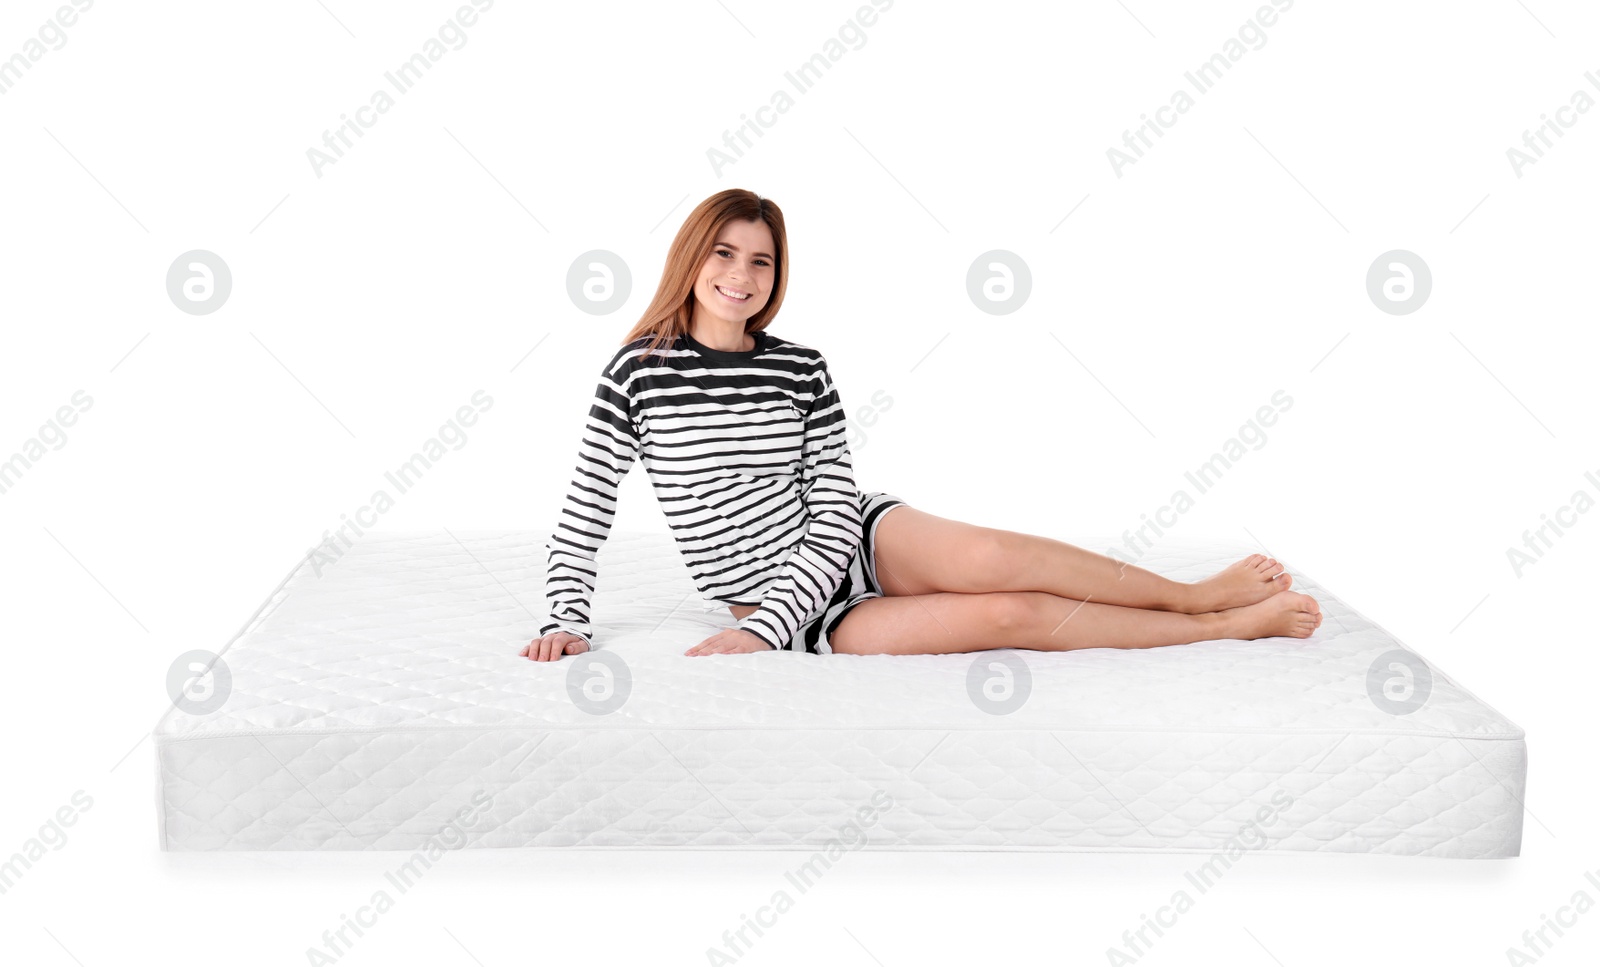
{"x": 817, "y": 565}
{"x": 607, "y": 450}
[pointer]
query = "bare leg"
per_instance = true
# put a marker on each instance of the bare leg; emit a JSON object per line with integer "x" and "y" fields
{"x": 920, "y": 553}
{"x": 946, "y": 622}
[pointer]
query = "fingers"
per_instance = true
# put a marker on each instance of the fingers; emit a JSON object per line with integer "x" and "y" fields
{"x": 720, "y": 645}
{"x": 552, "y": 646}
{"x": 556, "y": 648}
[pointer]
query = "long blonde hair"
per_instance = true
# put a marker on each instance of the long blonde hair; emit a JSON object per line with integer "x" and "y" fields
{"x": 673, "y": 305}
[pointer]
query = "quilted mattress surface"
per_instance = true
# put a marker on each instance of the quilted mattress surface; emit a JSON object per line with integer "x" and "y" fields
{"x": 378, "y": 702}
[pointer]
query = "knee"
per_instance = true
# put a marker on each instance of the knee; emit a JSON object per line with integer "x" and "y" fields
{"x": 1018, "y": 613}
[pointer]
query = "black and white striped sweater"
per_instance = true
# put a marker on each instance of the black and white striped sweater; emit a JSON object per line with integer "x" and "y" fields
{"x": 748, "y": 457}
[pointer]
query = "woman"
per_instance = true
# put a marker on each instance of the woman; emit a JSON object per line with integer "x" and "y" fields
{"x": 743, "y": 435}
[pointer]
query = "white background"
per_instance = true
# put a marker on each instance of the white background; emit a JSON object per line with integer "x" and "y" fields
{"x": 372, "y": 301}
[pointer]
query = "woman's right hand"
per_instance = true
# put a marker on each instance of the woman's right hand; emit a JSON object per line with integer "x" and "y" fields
{"x": 552, "y": 646}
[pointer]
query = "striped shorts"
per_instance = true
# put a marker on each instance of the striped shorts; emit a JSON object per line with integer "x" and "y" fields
{"x": 860, "y": 579}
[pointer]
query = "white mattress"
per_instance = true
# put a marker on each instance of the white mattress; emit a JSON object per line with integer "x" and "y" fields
{"x": 382, "y": 705}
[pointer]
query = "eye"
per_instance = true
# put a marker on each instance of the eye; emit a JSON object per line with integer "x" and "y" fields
{"x": 727, "y": 253}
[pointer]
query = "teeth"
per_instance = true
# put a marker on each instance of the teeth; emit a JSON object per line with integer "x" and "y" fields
{"x": 733, "y": 295}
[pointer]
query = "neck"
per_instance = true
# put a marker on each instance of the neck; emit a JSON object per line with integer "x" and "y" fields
{"x": 720, "y": 334}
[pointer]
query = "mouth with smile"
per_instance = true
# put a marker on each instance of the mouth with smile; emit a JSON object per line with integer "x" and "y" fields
{"x": 734, "y": 296}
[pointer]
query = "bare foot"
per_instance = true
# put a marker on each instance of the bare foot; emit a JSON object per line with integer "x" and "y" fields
{"x": 1256, "y": 578}
{"x": 1287, "y": 614}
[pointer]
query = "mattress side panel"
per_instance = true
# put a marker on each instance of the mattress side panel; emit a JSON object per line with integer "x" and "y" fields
{"x": 1507, "y": 762}
{"x": 1224, "y": 794}
{"x": 161, "y": 801}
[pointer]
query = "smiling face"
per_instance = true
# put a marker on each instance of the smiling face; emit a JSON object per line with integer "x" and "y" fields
{"x": 740, "y": 264}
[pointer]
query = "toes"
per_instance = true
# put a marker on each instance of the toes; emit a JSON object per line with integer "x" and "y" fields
{"x": 1283, "y": 581}
{"x": 1254, "y": 559}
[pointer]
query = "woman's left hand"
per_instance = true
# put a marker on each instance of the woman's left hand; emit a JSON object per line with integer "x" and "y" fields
{"x": 734, "y": 641}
